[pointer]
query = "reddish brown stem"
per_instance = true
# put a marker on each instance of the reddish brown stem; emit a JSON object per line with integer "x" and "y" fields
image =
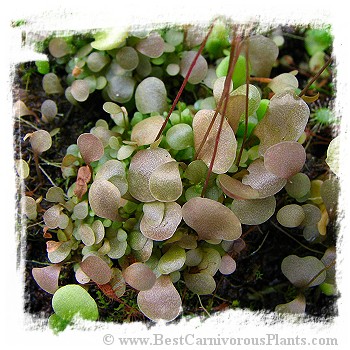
{"x": 216, "y": 111}
{"x": 235, "y": 49}
{"x": 246, "y": 114}
{"x": 38, "y": 171}
{"x": 260, "y": 79}
{"x": 303, "y": 92}
{"x": 184, "y": 82}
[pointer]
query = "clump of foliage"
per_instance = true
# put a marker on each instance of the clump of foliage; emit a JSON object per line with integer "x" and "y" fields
{"x": 164, "y": 194}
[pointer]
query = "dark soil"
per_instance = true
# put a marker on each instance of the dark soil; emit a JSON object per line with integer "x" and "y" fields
{"x": 257, "y": 284}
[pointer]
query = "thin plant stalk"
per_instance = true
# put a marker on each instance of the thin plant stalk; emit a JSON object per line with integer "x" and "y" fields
{"x": 319, "y": 273}
{"x": 184, "y": 82}
{"x": 37, "y": 167}
{"x": 216, "y": 111}
{"x": 235, "y": 49}
{"x": 303, "y": 92}
{"x": 246, "y": 103}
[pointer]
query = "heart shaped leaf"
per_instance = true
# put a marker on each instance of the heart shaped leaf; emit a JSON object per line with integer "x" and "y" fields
{"x": 296, "y": 306}
{"x": 285, "y": 120}
{"x": 142, "y": 165}
{"x": 200, "y": 283}
{"x": 291, "y": 215}
{"x": 165, "y": 182}
{"x": 285, "y": 159}
{"x": 139, "y": 276}
{"x": 263, "y": 53}
{"x": 104, "y": 199}
{"x": 161, "y": 302}
{"x": 73, "y": 300}
{"x": 301, "y": 271}
{"x": 97, "y": 269}
{"x": 90, "y": 147}
{"x": 146, "y": 131}
{"x": 47, "y": 277}
{"x": 211, "y": 219}
{"x": 114, "y": 171}
{"x": 171, "y": 220}
{"x": 259, "y": 178}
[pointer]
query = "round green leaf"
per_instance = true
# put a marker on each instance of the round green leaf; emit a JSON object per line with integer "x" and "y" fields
{"x": 172, "y": 260}
{"x": 72, "y": 300}
{"x": 200, "y": 283}
{"x": 165, "y": 182}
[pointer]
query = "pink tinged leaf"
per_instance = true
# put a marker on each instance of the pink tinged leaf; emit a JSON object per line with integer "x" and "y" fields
{"x": 139, "y": 276}
{"x": 58, "y": 251}
{"x": 263, "y": 53}
{"x": 52, "y": 216}
{"x": 114, "y": 171}
{"x": 20, "y": 109}
{"x": 211, "y": 219}
{"x": 142, "y": 165}
{"x": 234, "y": 188}
{"x": 228, "y": 265}
{"x": 236, "y": 104}
{"x": 83, "y": 178}
{"x": 282, "y": 82}
{"x": 81, "y": 277}
{"x": 97, "y": 269}
{"x": 90, "y": 147}
{"x": 104, "y": 199}
{"x": 152, "y": 46}
{"x": 161, "y": 302}
{"x": 47, "y": 277}
{"x": 301, "y": 271}
{"x": 146, "y": 131}
{"x": 199, "y": 70}
{"x": 285, "y": 159}
{"x": 40, "y": 141}
{"x": 259, "y": 178}
{"x": 227, "y": 146}
{"x": 167, "y": 227}
{"x": 296, "y": 306}
{"x": 285, "y": 120}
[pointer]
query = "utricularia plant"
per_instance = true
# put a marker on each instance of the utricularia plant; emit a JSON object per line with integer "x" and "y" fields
{"x": 164, "y": 194}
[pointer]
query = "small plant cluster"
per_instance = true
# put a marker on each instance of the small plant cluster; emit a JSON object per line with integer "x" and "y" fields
{"x": 165, "y": 194}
